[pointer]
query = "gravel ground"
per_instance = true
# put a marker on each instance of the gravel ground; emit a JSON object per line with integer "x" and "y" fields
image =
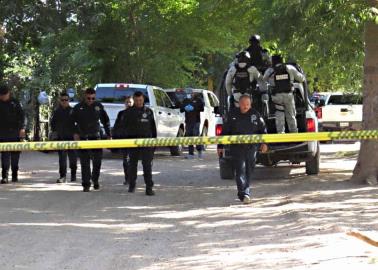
{"x": 193, "y": 222}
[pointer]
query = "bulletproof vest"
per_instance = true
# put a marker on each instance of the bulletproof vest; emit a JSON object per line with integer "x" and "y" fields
{"x": 282, "y": 80}
{"x": 241, "y": 80}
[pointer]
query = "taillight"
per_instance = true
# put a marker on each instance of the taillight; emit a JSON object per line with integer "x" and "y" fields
{"x": 311, "y": 125}
{"x": 218, "y": 129}
{"x": 319, "y": 112}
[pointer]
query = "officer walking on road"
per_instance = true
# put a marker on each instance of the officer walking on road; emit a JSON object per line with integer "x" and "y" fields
{"x": 281, "y": 77}
{"x": 140, "y": 123}
{"x": 193, "y": 106}
{"x": 86, "y": 117}
{"x": 241, "y": 78}
{"x": 243, "y": 121}
{"x": 63, "y": 130}
{"x": 119, "y": 132}
{"x": 12, "y": 129}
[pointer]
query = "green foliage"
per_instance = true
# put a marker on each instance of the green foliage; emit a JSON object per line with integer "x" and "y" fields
{"x": 78, "y": 43}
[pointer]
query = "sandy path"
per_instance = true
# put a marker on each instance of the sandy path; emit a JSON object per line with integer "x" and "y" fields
{"x": 194, "y": 222}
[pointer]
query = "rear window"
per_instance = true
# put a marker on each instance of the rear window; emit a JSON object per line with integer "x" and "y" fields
{"x": 118, "y": 95}
{"x": 179, "y": 96}
{"x": 344, "y": 99}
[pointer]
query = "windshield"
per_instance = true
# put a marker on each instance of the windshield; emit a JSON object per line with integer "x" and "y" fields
{"x": 345, "y": 99}
{"x": 179, "y": 96}
{"x": 118, "y": 95}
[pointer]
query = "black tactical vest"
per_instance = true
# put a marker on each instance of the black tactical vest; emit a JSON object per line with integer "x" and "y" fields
{"x": 241, "y": 80}
{"x": 282, "y": 80}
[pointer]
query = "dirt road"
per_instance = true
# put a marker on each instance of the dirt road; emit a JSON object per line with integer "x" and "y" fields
{"x": 194, "y": 221}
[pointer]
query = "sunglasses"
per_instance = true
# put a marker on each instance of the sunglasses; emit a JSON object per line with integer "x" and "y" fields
{"x": 91, "y": 98}
{"x": 64, "y": 99}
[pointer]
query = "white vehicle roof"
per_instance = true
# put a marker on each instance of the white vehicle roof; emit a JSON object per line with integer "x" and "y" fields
{"x": 184, "y": 89}
{"x": 131, "y": 85}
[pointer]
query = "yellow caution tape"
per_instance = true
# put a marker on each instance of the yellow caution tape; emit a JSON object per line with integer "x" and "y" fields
{"x": 158, "y": 142}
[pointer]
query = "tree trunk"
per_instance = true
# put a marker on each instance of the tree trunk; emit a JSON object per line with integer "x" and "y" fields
{"x": 366, "y": 170}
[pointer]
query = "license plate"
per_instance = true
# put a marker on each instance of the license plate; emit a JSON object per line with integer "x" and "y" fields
{"x": 344, "y": 124}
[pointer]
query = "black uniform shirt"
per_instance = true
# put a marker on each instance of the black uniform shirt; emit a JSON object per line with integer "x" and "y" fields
{"x": 119, "y": 129}
{"x": 247, "y": 123}
{"x": 140, "y": 123}
{"x": 195, "y": 115}
{"x": 12, "y": 118}
{"x": 86, "y": 119}
{"x": 61, "y": 123}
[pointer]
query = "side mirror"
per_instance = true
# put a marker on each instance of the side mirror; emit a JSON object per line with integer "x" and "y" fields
{"x": 216, "y": 110}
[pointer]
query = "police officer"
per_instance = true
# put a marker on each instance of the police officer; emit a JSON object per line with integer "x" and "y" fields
{"x": 243, "y": 121}
{"x": 12, "y": 129}
{"x": 193, "y": 106}
{"x": 63, "y": 130}
{"x": 140, "y": 123}
{"x": 86, "y": 116}
{"x": 281, "y": 78}
{"x": 259, "y": 55}
{"x": 241, "y": 78}
{"x": 119, "y": 132}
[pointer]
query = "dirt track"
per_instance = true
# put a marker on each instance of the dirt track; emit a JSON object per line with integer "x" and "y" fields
{"x": 194, "y": 221}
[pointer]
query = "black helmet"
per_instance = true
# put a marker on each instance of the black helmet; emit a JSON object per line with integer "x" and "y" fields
{"x": 243, "y": 57}
{"x": 254, "y": 39}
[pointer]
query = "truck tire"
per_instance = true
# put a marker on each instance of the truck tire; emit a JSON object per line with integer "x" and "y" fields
{"x": 177, "y": 150}
{"x": 226, "y": 169}
{"x": 312, "y": 166}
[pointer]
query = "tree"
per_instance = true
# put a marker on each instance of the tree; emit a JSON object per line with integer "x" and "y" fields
{"x": 366, "y": 169}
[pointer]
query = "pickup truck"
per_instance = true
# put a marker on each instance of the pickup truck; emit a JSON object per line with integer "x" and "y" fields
{"x": 338, "y": 111}
{"x": 210, "y": 117}
{"x": 307, "y": 152}
{"x": 169, "y": 122}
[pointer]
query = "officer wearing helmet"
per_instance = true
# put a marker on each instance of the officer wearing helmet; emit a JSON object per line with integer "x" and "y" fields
{"x": 281, "y": 78}
{"x": 241, "y": 78}
{"x": 259, "y": 55}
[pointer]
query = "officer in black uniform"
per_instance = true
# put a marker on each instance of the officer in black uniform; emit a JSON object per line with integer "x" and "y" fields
{"x": 12, "y": 129}
{"x": 193, "y": 106}
{"x": 140, "y": 123}
{"x": 242, "y": 121}
{"x": 119, "y": 132}
{"x": 86, "y": 116}
{"x": 63, "y": 130}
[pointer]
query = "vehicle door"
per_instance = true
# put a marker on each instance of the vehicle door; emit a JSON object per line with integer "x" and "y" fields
{"x": 161, "y": 114}
{"x": 174, "y": 118}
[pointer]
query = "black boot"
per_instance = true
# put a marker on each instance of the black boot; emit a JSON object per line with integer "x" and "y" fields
{"x": 4, "y": 179}
{"x": 73, "y": 175}
{"x": 150, "y": 192}
{"x": 14, "y": 176}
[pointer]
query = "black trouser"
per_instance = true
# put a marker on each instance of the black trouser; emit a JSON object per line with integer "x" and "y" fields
{"x": 244, "y": 161}
{"x": 85, "y": 162}
{"x": 72, "y": 156}
{"x": 146, "y": 155}
{"x": 193, "y": 129}
{"x": 125, "y": 155}
{"x": 9, "y": 159}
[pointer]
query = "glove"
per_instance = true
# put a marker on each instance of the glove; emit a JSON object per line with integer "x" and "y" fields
{"x": 189, "y": 108}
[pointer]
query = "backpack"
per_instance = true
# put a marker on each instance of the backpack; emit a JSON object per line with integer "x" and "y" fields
{"x": 241, "y": 80}
{"x": 282, "y": 80}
